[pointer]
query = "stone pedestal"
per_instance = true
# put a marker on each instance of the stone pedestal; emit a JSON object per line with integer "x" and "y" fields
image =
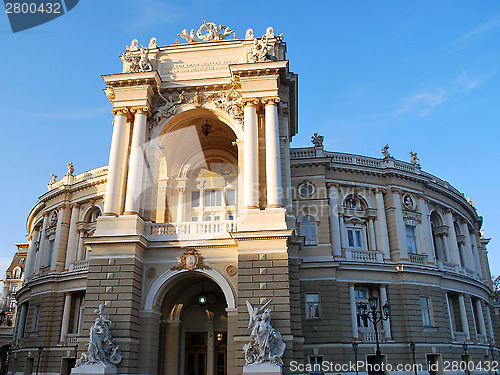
{"x": 262, "y": 369}
{"x": 107, "y": 369}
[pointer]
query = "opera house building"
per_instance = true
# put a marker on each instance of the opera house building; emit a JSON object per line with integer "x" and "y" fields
{"x": 215, "y": 248}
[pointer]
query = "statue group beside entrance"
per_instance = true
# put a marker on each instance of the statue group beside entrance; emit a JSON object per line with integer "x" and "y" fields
{"x": 266, "y": 346}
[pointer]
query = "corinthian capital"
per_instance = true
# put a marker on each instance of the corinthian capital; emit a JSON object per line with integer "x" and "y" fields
{"x": 141, "y": 110}
{"x": 272, "y": 100}
{"x": 254, "y": 102}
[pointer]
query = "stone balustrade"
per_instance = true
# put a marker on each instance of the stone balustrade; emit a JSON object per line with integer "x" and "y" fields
{"x": 189, "y": 230}
{"x": 80, "y": 265}
{"x": 418, "y": 258}
{"x": 369, "y": 336}
{"x": 364, "y": 256}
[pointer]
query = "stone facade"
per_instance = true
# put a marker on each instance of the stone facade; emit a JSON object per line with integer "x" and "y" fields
{"x": 204, "y": 206}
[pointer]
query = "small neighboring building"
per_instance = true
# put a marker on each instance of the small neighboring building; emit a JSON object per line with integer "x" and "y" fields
{"x": 12, "y": 282}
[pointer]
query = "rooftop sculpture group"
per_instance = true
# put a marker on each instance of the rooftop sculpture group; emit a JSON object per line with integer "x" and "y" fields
{"x": 213, "y": 32}
{"x": 138, "y": 62}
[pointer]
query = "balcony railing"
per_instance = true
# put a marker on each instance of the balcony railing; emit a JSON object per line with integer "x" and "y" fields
{"x": 369, "y": 336}
{"x": 417, "y": 258}
{"x": 80, "y": 265}
{"x": 189, "y": 230}
{"x": 72, "y": 338}
{"x": 364, "y": 256}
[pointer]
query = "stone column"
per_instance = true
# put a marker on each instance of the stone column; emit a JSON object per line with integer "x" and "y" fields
{"x": 251, "y": 156}
{"x": 469, "y": 256}
{"x": 385, "y": 323}
{"x": 22, "y": 322}
{"x": 80, "y": 251}
{"x": 371, "y": 234}
{"x": 490, "y": 324}
{"x": 450, "y": 311}
{"x": 334, "y": 219}
{"x": 400, "y": 224}
{"x": 73, "y": 236}
{"x": 42, "y": 245}
{"x": 180, "y": 205}
{"x": 446, "y": 250}
{"x": 354, "y": 315}
{"x": 210, "y": 347}
{"x": 232, "y": 328}
{"x": 343, "y": 239}
{"x": 31, "y": 257}
{"x": 382, "y": 236}
{"x": 287, "y": 180}
{"x": 452, "y": 238}
{"x": 482, "y": 325}
{"x": 427, "y": 229}
{"x": 273, "y": 156}
{"x": 136, "y": 164}
{"x": 116, "y": 166}
{"x": 463, "y": 316}
{"x": 65, "y": 318}
{"x": 475, "y": 253}
{"x": 58, "y": 239}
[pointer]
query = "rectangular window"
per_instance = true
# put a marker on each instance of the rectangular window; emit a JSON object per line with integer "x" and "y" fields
{"x": 12, "y": 306}
{"x": 312, "y": 306}
{"x": 50, "y": 249}
{"x": 411, "y": 239}
{"x": 194, "y": 218}
{"x": 212, "y": 198}
{"x": 425, "y": 307}
{"x": 36, "y": 318}
{"x": 230, "y": 217}
{"x": 315, "y": 363}
{"x": 208, "y": 218}
{"x": 230, "y": 197}
{"x": 195, "y": 198}
{"x": 354, "y": 238}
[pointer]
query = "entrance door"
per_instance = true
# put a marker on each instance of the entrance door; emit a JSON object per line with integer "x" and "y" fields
{"x": 196, "y": 353}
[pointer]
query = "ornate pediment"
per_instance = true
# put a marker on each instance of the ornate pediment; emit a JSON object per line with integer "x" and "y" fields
{"x": 190, "y": 260}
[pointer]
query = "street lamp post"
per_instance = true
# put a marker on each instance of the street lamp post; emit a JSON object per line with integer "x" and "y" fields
{"x": 355, "y": 348}
{"x": 412, "y": 347}
{"x": 40, "y": 350}
{"x": 491, "y": 346}
{"x": 375, "y": 316}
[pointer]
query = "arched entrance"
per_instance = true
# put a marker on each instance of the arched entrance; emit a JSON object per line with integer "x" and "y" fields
{"x": 193, "y": 327}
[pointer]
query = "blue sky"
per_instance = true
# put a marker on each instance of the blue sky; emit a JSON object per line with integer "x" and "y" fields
{"x": 420, "y": 75}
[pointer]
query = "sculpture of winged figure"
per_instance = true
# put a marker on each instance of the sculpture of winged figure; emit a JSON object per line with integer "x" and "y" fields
{"x": 266, "y": 344}
{"x": 102, "y": 349}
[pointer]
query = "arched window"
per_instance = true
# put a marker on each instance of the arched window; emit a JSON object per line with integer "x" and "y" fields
{"x": 437, "y": 236}
{"x": 93, "y": 215}
{"x": 308, "y": 230}
{"x": 16, "y": 273}
{"x": 356, "y": 203}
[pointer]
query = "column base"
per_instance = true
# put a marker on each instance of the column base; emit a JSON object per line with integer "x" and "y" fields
{"x": 108, "y": 369}
{"x": 274, "y": 206}
{"x": 131, "y": 213}
{"x": 251, "y": 207}
{"x": 110, "y": 214}
{"x": 265, "y": 368}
